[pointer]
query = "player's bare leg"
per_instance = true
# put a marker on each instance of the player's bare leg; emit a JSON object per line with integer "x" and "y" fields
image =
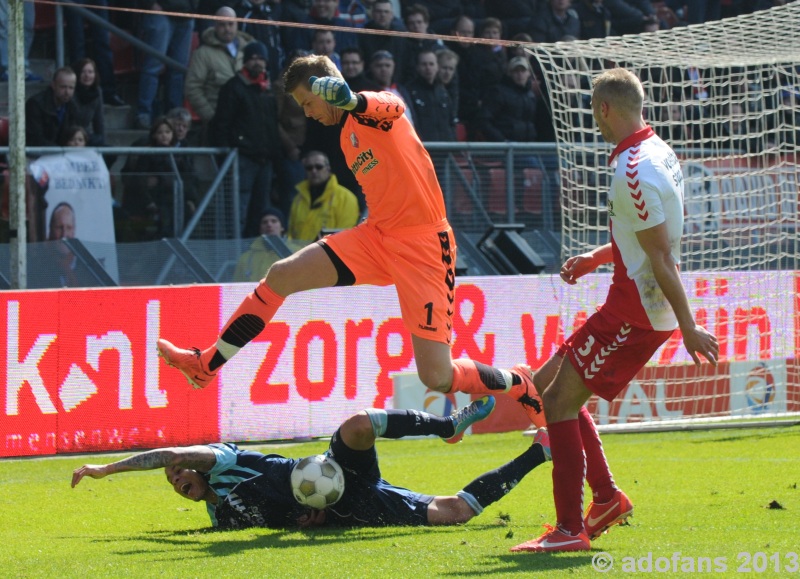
{"x": 438, "y": 371}
{"x": 309, "y": 268}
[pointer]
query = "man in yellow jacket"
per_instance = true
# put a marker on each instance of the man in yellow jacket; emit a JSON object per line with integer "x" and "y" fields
{"x": 320, "y": 203}
{"x": 254, "y": 263}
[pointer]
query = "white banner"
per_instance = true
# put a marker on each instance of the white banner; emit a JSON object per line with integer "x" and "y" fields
{"x": 78, "y": 182}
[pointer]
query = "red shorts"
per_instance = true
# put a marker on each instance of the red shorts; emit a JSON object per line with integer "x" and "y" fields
{"x": 608, "y": 352}
{"x": 419, "y": 261}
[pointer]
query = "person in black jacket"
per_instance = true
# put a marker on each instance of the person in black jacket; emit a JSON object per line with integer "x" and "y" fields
{"x": 434, "y": 114}
{"x": 89, "y": 100}
{"x": 51, "y": 112}
{"x": 510, "y": 113}
{"x": 247, "y": 119}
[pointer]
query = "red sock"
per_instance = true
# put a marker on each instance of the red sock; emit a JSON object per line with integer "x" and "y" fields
{"x": 598, "y": 475}
{"x": 568, "y": 471}
{"x": 247, "y": 322}
{"x": 476, "y": 378}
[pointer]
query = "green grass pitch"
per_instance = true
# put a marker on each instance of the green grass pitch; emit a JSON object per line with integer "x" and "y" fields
{"x": 698, "y": 494}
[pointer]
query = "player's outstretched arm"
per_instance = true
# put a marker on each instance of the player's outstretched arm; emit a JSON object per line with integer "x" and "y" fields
{"x": 199, "y": 457}
{"x": 579, "y": 265}
{"x": 696, "y": 339}
{"x": 334, "y": 91}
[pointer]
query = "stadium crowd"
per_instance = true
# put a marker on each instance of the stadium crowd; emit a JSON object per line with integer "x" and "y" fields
{"x": 231, "y": 95}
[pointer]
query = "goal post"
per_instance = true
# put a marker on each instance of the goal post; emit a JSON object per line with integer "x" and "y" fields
{"x": 726, "y": 96}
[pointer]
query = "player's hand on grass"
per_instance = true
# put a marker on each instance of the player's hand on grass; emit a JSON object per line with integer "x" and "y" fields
{"x": 334, "y": 91}
{"x": 698, "y": 340}
{"x": 313, "y": 518}
{"x": 91, "y": 470}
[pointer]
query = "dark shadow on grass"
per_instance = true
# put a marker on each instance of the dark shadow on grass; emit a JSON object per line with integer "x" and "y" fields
{"x": 744, "y": 435}
{"x": 224, "y": 543}
{"x": 527, "y": 563}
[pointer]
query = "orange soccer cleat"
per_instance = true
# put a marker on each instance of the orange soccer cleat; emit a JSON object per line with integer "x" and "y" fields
{"x": 188, "y": 362}
{"x": 554, "y": 539}
{"x": 600, "y": 516}
{"x": 525, "y": 393}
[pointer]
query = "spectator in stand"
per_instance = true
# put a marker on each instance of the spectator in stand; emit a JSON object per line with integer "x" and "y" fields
{"x": 489, "y": 61}
{"x": 595, "y": 19}
{"x": 630, "y": 16}
{"x": 255, "y": 261}
{"x": 511, "y": 113}
{"x": 554, "y": 21}
{"x": 100, "y": 50}
{"x": 181, "y": 121}
{"x": 448, "y": 64}
{"x": 515, "y": 15}
{"x": 292, "y": 119}
{"x": 172, "y": 37}
{"x": 247, "y": 118}
{"x": 354, "y": 12}
{"x": 75, "y": 136}
{"x": 214, "y": 63}
{"x": 384, "y": 19}
{"x": 353, "y": 70}
{"x": 418, "y": 20}
{"x": 29, "y": 20}
{"x": 89, "y": 102}
{"x": 323, "y": 42}
{"x": 323, "y": 12}
{"x": 469, "y": 83}
{"x": 258, "y": 11}
{"x": 443, "y": 13}
{"x": 51, "y": 112}
{"x": 381, "y": 68}
{"x": 434, "y": 114}
{"x": 150, "y": 185}
{"x": 320, "y": 203}
{"x": 700, "y": 11}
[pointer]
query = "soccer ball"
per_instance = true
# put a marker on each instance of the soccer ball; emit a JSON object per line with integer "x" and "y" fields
{"x": 317, "y": 481}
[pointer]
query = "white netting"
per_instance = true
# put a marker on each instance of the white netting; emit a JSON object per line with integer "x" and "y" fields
{"x": 725, "y": 96}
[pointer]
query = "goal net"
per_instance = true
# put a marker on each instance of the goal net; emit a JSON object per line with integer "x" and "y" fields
{"x": 726, "y": 96}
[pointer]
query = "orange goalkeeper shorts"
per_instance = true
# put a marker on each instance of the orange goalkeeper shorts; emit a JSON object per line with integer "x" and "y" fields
{"x": 419, "y": 261}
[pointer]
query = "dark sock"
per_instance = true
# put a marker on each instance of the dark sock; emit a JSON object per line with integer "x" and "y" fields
{"x": 400, "y": 423}
{"x": 495, "y": 484}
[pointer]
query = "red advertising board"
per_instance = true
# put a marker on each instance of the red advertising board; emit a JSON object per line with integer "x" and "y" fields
{"x": 81, "y": 371}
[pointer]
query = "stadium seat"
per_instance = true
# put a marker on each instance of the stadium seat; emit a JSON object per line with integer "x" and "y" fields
{"x": 461, "y": 133}
{"x": 124, "y": 55}
{"x": 4, "y": 131}
{"x": 45, "y": 17}
{"x": 533, "y": 191}
{"x": 497, "y": 200}
{"x": 462, "y": 201}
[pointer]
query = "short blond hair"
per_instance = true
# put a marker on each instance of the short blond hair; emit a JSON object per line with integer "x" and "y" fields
{"x": 620, "y": 88}
{"x": 305, "y": 67}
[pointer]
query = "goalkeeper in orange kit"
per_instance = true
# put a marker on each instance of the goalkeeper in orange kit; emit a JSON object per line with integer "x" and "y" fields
{"x": 406, "y": 241}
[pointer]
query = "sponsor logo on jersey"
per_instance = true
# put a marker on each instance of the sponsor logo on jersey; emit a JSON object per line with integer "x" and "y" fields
{"x": 354, "y": 140}
{"x": 364, "y": 158}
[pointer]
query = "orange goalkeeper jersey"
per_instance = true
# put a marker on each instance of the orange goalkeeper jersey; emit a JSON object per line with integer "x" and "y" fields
{"x": 390, "y": 163}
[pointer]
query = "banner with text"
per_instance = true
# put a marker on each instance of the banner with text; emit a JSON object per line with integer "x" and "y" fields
{"x": 81, "y": 372}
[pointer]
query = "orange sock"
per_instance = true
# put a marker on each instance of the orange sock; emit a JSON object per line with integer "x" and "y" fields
{"x": 476, "y": 378}
{"x": 247, "y": 322}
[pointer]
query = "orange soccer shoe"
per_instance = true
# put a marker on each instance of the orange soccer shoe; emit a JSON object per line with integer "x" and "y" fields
{"x": 525, "y": 393}
{"x": 554, "y": 539}
{"x": 187, "y": 361}
{"x": 600, "y": 516}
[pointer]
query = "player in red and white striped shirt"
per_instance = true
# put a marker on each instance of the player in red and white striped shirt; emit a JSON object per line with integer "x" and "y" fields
{"x": 645, "y": 303}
